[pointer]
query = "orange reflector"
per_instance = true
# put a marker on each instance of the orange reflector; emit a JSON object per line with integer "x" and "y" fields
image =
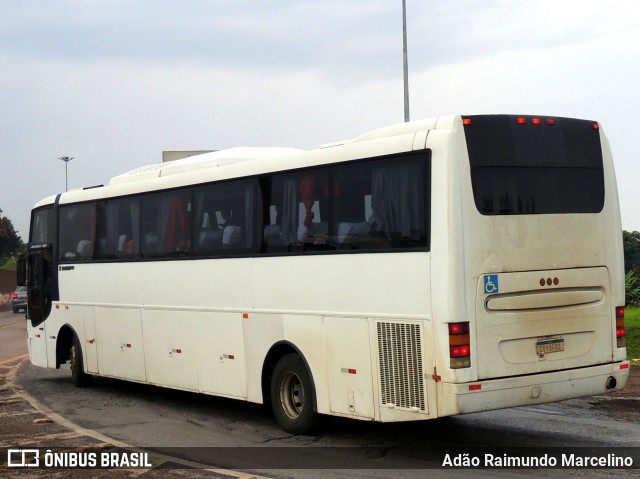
{"x": 245, "y": 315}
{"x": 475, "y": 387}
{"x": 466, "y": 121}
{"x": 459, "y": 340}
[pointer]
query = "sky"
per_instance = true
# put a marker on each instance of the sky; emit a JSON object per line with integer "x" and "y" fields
{"x": 113, "y": 83}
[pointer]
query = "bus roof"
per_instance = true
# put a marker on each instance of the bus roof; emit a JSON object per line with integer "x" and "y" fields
{"x": 205, "y": 160}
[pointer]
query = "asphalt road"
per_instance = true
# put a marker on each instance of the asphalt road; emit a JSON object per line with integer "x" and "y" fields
{"x": 13, "y": 335}
{"x": 232, "y": 434}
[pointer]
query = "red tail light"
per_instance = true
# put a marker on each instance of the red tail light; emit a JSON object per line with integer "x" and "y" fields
{"x": 620, "y": 331}
{"x": 15, "y": 296}
{"x": 459, "y": 345}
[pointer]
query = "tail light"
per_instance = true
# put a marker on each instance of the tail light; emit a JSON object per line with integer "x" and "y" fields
{"x": 620, "y": 332}
{"x": 15, "y": 295}
{"x": 459, "y": 345}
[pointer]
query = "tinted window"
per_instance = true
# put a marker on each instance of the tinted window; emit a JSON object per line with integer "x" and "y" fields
{"x": 368, "y": 205}
{"x": 42, "y": 226}
{"x": 225, "y": 218}
{"x": 121, "y": 229}
{"x": 77, "y": 232}
{"x": 527, "y": 167}
{"x": 166, "y": 224}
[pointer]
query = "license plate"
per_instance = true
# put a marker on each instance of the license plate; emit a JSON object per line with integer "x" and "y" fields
{"x": 544, "y": 346}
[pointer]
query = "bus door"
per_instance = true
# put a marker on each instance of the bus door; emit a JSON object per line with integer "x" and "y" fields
{"x": 39, "y": 282}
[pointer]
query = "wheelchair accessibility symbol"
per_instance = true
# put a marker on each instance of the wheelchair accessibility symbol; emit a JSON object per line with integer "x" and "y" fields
{"x": 491, "y": 285}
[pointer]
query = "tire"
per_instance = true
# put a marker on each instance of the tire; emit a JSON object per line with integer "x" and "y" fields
{"x": 79, "y": 378}
{"x": 293, "y": 396}
{"x": 16, "y": 310}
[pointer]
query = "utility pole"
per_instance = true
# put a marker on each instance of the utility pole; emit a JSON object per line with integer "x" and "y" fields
{"x": 405, "y": 61}
{"x": 66, "y": 160}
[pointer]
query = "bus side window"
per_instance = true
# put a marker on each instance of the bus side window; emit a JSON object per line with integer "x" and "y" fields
{"x": 122, "y": 234}
{"x": 295, "y": 219}
{"x": 352, "y": 215}
{"x": 166, "y": 225}
{"x": 77, "y": 232}
{"x": 225, "y": 218}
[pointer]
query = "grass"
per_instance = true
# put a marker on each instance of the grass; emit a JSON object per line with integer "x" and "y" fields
{"x": 632, "y": 326}
{"x": 9, "y": 265}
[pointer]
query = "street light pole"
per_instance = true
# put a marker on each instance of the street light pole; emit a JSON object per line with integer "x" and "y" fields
{"x": 66, "y": 160}
{"x": 405, "y": 64}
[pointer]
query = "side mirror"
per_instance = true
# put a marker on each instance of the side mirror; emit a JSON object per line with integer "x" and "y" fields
{"x": 21, "y": 270}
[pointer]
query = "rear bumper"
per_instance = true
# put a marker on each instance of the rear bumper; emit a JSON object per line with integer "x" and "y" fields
{"x": 528, "y": 390}
{"x": 19, "y": 303}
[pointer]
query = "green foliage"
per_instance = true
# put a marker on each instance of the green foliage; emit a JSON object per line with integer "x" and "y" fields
{"x": 10, "y": 242}
{"x": 9, "y": 265}
{"x": 632, "y": 327}
{"x": 632, "y": 288}
{"x": 631, "y": 245}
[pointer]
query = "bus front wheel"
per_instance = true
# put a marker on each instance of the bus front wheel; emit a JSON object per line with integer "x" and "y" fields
{"x": 78, "y": 377}
{"x": 292, "y": 396}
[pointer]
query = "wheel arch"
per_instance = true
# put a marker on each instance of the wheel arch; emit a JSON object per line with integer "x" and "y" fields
{"x": 64, "y": 342}
{"x": 277, "y": 351}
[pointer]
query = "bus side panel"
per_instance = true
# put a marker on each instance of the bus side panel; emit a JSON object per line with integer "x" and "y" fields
{"x": 351, "y": 385}
{"x": 171, "y": 353}
{"x": 37, "y": 344}
{"x": 221, "y": 355}
{"x": 90, "y": 347}
{"x": 120, "y": 343}
{"x": 260, "y": 332}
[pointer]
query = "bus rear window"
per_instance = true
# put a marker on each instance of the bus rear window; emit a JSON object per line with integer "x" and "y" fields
{"x": 534, "y": 165}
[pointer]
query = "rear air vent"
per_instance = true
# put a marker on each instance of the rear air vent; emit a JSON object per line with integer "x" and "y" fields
{"x": 401, "y": 374}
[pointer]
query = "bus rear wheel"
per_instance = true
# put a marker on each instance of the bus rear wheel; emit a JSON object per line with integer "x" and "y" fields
{"x": 293, "y": 396}
{"x": 78, "y": 377}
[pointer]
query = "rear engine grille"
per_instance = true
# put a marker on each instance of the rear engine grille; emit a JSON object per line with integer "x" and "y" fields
{"x": 400, "y": 356}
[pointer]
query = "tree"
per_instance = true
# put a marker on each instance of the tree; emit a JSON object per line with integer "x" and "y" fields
{"x": 10, "y": 242}
{"x": 631, "y": 244}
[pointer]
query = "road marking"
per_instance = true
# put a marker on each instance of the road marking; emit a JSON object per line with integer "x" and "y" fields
{"x": 156, "y": 458}
{"x": 541, "y": 411}
{"x": 15, "y": 358}
{"x": 11, "y": 324}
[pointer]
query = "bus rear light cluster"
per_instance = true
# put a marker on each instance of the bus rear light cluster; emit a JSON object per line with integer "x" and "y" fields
{"x": 620, "y": 331}
{"x": 459, "y": 345}
{"x": 535, "y": 120}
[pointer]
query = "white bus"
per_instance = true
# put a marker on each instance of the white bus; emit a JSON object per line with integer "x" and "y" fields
{"x": 428, "y": 269}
